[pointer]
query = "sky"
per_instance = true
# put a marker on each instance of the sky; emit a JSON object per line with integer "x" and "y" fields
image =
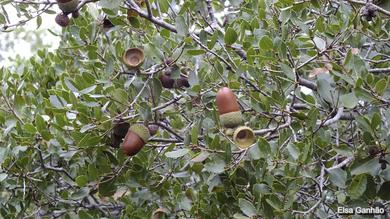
{"x": 22, "y": 40}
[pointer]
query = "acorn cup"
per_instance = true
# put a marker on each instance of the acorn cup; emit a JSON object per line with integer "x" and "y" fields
{"x": 134, "y": 57}
{"x": 228, "y": 108}
{"x": 244, "y": 137}
{"x": 68, "y": 6}
{"x": 135, "y": 139}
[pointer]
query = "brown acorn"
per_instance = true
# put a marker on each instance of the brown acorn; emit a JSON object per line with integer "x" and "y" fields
{"x": 135, "y": 139}
{"x": 68, "y": 6}
{"x": 228, "y": 108}
{"x": 131, "y": 13}
{"x": 153, "y": 129}
{"x": 167, "y": 81}
{"x": 62, "y": 20}
{"x": 107, "y": 24}
{"x": 182, "y": 82}
{"x": 75, "y": 14}
{"x": 121, "y": 129}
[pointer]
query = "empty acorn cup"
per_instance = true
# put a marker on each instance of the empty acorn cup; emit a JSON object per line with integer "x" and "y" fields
{"x": 244, "y": 137}
{"x": 133, "y": 57}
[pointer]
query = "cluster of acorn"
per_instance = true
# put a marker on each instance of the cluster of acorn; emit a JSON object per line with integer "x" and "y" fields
{"x": 166, "y": 77}
{"x": 67, "y": 7}
{"x": 230, "y": 117}
{"x": 134, "y": 57}
{"x": 134, "y": 137}
{"x": 369, "y": 11}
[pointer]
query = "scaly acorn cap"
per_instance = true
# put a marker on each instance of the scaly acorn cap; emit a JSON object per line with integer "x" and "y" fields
{"x": 231, "y": 120}
{"x": 68, "y": 6}
{"x": 142, "y": 131}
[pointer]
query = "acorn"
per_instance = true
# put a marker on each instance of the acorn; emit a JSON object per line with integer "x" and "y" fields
{"x": 228, "y": 108}
{"x": 120, "y": 129}
{"x": 131, "y": 13}
{"x": 75, "y": 14}
{"x": 167, "y": 81}
{"x": 133, "y": 57}
{"x": 135, "y": 139}
{"x": 68, "y": 6}
{"x": 62, "y": 20}
{"x": 182, "y": 82}
{"x": 153, "y": 129}
{"x": 107, "y": 24}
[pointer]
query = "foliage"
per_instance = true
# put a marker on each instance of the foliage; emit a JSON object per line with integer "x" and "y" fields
{"x": 311, "y": 78}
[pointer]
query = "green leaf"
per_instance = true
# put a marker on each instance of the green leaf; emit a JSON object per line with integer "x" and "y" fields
{"x": 370, "y": 166}
{"x": 266, "y": 43}
{"x": 338, "y": 177}
{"x": 217, "y": 166}
{"x": 110, "y": 4}
{"x": 107, "y": 187}
{"x": 384, "y": 191}
{"x": 181, "y": 25}
{"x": 3, "y": 176}
{"x": 247, "y": 207}
{"x": 354, "y": 63}
{"x": 357, "y": 186}
{"x": 349, "y": 100}
{"x": 80, "y": 194}
{"x": 177, "y": 153}
{"x": 81, "y": 180}
{"x": 230, "y": 36}
{"x": 380, "y": 86}
{"x": 195, "y": 52}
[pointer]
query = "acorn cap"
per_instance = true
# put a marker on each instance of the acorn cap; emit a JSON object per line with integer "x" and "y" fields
{"x": 68, "y": 5}
{"x": 133, "y": 57}
{"x": 142, "y": 131}
{"x": 231, "y": 120}
{"x": 244, "y": 137}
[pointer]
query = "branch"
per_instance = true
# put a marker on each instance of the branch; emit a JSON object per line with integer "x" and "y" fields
{"x": 380, "y": 70}
{"x": 382, "y": 10}
{"x": 342, "y": 164}
{"x": 334, "y": 119}
{"x": 210, "y": 10}
{"x": 270, "y": 130}
{"x": 152, "y": 19}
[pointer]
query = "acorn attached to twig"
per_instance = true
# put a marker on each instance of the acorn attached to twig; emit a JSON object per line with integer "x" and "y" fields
{"x": 68, "y": 6}
{"x": 137, "y": 136}
{"x": 62, "y": 20}
{"x": 231, "y": 117}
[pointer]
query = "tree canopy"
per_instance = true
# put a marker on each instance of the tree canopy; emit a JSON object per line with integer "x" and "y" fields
{"x": 310, "y": 76}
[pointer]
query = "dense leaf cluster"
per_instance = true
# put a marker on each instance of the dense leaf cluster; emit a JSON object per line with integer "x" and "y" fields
{"x": 311, "y": 78}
